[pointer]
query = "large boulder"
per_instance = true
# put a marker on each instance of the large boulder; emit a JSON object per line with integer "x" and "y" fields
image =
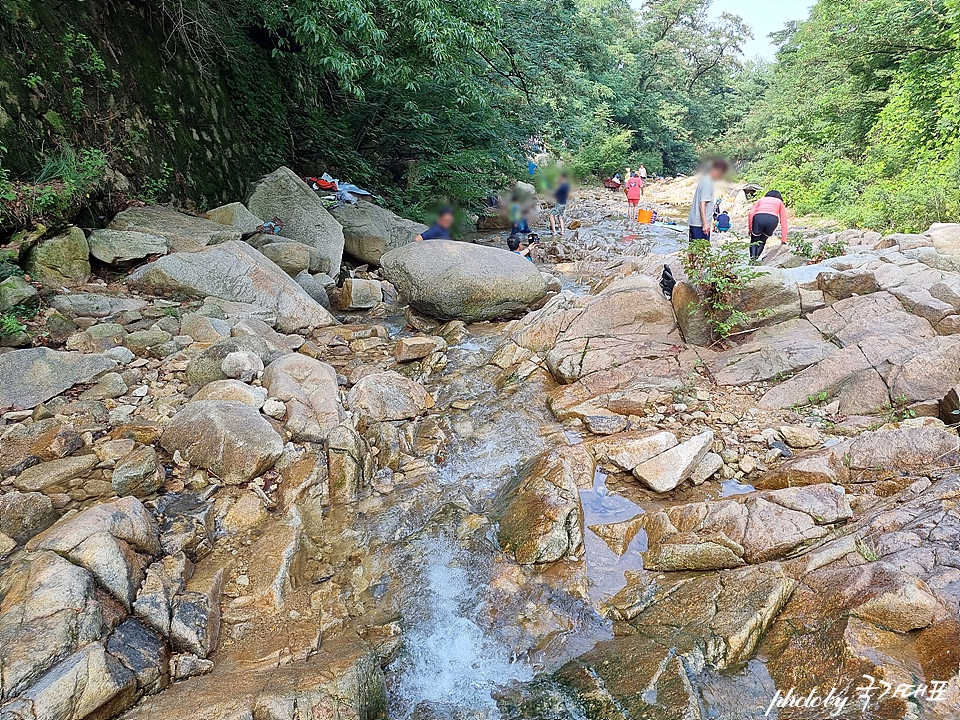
{"x": 94, "y": 305}
{"x": 446, "y": 279}
{"x": 183, "y": 232}
{"x": 945, "y": 238}
{"x": 114, "y": 541}
{"x": 691, "y": 315}
{"x": 541, "y": 519}
{"x": 23, "y": 515}
{"x": 236, "y": 272}
{"x": 370, "y": 230}
{"x": 282, "y": 194}
{"x": 772, "y": 353}
{"x": 63, "y": 260}
{"x": 616, "y": 326}
{"x": 309, "y": 390}
{"x": 868, "y": 457}
{"x": 720, "y": 534}
{"x": 388, "y": 396}
{"x": 122, "y": 247}
{"x": 230, "y": 439}
{"x": 15, "y": 290}
{"x": 716, "y": 620}
{"x": 31, "y": 376}
{"x": 767, "y": 299}
{"x": 235, "y": 215}
{"x": 293, "y": 257}
{"x": 47, "y": 611}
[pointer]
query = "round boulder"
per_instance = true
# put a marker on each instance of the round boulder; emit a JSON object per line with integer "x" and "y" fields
{"x": 229, "y": 439}
{"x": 457, "y": 280}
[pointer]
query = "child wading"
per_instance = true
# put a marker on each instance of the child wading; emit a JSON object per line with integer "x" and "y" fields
{"x": 633, "y": 189}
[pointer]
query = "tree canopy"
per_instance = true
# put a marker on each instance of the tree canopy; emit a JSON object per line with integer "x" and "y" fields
{"x": 433, "y": 98}
{"x": 858, "y": 119}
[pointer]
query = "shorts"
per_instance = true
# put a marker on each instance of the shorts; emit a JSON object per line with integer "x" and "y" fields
{"x": 764, "y": 225}
{"x": 558, "y": 210}
{"x": 631, "y": 201}
{"x": 697, "y": 233}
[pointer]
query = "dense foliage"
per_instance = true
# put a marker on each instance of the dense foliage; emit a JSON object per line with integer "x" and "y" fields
{"x": 447, "y": 97}
{"x": 421, "y": 100}
{"x": 859, "y": 120}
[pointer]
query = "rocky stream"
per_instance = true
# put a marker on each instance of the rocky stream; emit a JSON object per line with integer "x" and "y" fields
{"x": 319, "y": 475}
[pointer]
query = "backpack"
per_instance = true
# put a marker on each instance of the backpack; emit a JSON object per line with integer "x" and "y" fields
{"x": 667, "y": 283}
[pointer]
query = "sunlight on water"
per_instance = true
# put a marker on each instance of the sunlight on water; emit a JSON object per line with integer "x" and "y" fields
{"x": 450, "y": 666}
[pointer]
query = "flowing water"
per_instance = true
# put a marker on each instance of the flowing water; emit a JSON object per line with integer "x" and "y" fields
{"x": 475, "y": 624}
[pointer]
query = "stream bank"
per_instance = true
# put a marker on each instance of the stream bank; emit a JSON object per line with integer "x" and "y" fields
{"x": 249, "y": 508}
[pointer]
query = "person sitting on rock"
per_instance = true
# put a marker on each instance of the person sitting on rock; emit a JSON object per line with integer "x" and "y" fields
{"x": 762, "y": 220}
{"x": 513, "y": 243}
{"x": 440, "y": 230}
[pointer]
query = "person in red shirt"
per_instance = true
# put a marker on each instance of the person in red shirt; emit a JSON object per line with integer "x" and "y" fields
{"x": 633, "y": 188}
{"x": 762, "y": 220}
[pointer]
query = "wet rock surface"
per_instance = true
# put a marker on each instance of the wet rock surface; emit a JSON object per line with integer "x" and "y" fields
{"x": 213, "y": 506}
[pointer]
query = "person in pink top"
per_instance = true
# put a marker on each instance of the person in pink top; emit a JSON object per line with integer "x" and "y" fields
{"x": 766, "y": 213}
{"x": 633, "y": 188}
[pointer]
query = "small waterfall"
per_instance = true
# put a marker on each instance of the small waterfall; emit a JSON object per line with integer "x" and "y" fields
{"x": 450, "y": 666}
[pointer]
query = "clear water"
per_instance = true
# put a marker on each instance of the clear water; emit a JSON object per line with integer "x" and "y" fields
{"x": 465, "y": 643}
{"x": 451, "y": 665}
{"x": 605, "y": 568}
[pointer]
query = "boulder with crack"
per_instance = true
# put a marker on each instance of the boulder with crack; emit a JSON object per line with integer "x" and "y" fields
{"x": 32, "y": 376}
{"x": 308, "y": 388}
{"x": 182, "y": 232}
{"x": 541, "y": 519}
{"x": 235, "y": 272}
{"x": 229, "y": 439}
{"x": 713, "y": 535}
{"x": 869, "y": 457}
{"x": 388, "y": 396}
{"x": 114, "y": 541}
{"x": 707, "y": 623}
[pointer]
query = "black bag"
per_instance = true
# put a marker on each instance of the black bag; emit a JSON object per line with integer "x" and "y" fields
{"x": 667, "y": 283}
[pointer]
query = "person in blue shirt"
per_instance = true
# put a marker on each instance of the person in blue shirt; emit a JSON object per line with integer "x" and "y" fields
{"x": 556, "y": 213}
{"x": 440, "y": 230}
{"x": 513, "y": 244}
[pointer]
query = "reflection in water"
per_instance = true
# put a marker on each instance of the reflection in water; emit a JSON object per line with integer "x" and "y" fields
{"x": 732, "y": 487}
{"x": 605, "y": 569}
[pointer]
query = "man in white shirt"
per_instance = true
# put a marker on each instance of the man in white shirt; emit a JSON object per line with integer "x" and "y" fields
{"x": 643, "y": 178}
{"x": 700, "y": 219}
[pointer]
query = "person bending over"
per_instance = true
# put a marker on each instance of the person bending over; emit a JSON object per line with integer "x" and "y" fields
{"x": 440, "y": 230}
{"x": 762, "y": 220}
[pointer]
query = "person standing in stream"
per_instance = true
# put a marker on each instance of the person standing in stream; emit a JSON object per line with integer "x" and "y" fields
{"x": 556, "y": 213}
{"x": 762, "y": 220}
{"x": 700, "y": 219}
{"x": 633, "y": 189}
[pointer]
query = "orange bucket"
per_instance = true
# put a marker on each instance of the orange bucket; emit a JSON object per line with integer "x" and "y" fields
{"x": 645, "y": 216}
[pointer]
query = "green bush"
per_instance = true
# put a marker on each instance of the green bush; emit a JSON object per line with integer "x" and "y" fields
{"x": 719, "y": 273}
